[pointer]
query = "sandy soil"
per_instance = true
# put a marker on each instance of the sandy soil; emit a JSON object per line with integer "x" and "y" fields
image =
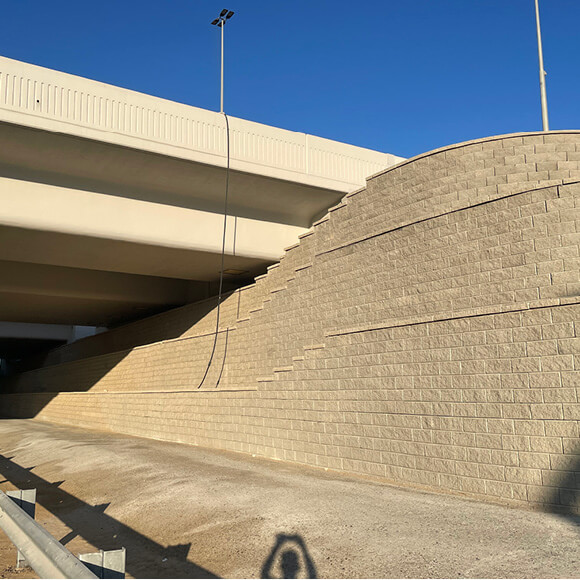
{"x": 187, "y": 512}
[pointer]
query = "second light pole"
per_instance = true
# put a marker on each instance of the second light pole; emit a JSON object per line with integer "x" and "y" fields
{"x": 543, "y": 96}
{"x": 220, "y": 21}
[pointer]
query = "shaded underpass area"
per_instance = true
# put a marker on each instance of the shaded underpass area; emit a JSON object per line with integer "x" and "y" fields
{"x": 187, "y": 512}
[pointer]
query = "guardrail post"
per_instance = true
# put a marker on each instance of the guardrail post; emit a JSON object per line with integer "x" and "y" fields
{"x": 109, "y": 564}
{"x": 25, "y": 499}
{"x": 48, "y": 557}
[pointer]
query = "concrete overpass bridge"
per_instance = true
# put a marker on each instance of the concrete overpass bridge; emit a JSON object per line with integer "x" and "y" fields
{"x": 112, "y": 200}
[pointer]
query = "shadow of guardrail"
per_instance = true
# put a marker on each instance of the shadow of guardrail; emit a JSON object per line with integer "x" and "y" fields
{"x": 145, "y": 557}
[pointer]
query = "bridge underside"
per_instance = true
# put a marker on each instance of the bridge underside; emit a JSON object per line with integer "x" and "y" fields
{"x": 112, "y": 202}
{"x": 97, "y": 234}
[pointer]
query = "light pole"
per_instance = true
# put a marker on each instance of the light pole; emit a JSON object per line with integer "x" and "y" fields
{"x": 220, "y": 21}
{"x": 543, "y": 73}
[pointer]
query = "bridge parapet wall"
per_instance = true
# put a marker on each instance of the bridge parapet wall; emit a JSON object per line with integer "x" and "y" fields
{"x": 53, "y": 100}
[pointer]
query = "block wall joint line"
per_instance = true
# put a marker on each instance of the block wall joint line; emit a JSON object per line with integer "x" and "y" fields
{"x": 156, "y": 392}
{"x": 450, "y": 318}
{"x": 439, "y": 215}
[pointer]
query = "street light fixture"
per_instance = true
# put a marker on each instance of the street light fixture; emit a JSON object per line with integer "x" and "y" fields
{"x": 543, "y": 73}
{"x": 220, "y": 21}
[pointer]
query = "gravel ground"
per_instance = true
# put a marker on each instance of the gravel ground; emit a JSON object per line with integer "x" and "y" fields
{"x": 187, "y": 512}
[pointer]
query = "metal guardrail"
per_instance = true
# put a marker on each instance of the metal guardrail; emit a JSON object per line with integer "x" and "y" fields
{"x": 47, "y": 556}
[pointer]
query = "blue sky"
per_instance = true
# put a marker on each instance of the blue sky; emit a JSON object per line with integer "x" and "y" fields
{"x": 398, "y": 76}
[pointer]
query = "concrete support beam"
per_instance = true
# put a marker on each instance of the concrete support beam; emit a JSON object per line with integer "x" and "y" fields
{"x": 37, "y": 279}
{"x": 34, "y": 331}
{"x": 88, "y": 214}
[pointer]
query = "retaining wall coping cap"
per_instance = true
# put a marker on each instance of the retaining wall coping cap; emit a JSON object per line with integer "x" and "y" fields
{"x": 321, "y": 220}
{"x": 304, "y": 267}
{"x": 152, "y": 392}
{"x": 472, "y": 142}
{"x": 336, "y": 207}
{"x": 467, "y": 313}
{"x": 283, "y": 369}
{"x": 353, "y": 193}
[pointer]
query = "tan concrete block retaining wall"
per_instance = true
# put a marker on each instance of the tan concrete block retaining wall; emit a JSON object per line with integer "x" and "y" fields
{"x": 425, "y": 331}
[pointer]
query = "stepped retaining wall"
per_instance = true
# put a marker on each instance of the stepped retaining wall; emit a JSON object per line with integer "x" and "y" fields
{"x": 424, "y": 331}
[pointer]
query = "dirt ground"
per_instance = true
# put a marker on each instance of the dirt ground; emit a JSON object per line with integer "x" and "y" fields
{"x": 187, "y": 512}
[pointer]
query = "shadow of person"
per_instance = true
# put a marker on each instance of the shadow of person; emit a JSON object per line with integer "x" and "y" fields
{"x": 289, "y": 558}
{"x": 290, "y": 564}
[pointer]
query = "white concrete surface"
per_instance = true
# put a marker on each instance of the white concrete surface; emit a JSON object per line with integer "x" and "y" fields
{"x": 55, "y": 101}
{"x": 85, "y": 213}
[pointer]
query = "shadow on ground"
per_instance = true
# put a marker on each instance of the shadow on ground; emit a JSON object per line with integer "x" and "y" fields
{"x": 145, "y": 557}
{"x": 289, "y": 558}
{"x": 565, "y": 498}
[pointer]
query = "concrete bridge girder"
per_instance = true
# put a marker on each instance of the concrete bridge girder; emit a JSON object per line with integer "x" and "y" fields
{"x": 89, "y": 215}
{"x": 80, "y": 163}
{"x": 73, "y": 296}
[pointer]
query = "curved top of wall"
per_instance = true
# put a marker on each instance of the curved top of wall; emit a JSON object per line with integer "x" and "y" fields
{"x": 482, "y": 140}
{"x": 456, "y": 177}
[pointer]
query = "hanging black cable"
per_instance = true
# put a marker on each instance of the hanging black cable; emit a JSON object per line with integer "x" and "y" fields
{"x": 217, "y": 323}
{"x": 223, "y": 359}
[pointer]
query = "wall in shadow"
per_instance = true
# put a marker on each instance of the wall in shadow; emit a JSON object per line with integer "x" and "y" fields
{"x": 43, "y": 375}
{"x": 565, "y": 497}
{"x": 173, "y": 323}
{"x": 80, "y": 376}
{"x": 145, "y": 557}
{"x": 27, "y": 394}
